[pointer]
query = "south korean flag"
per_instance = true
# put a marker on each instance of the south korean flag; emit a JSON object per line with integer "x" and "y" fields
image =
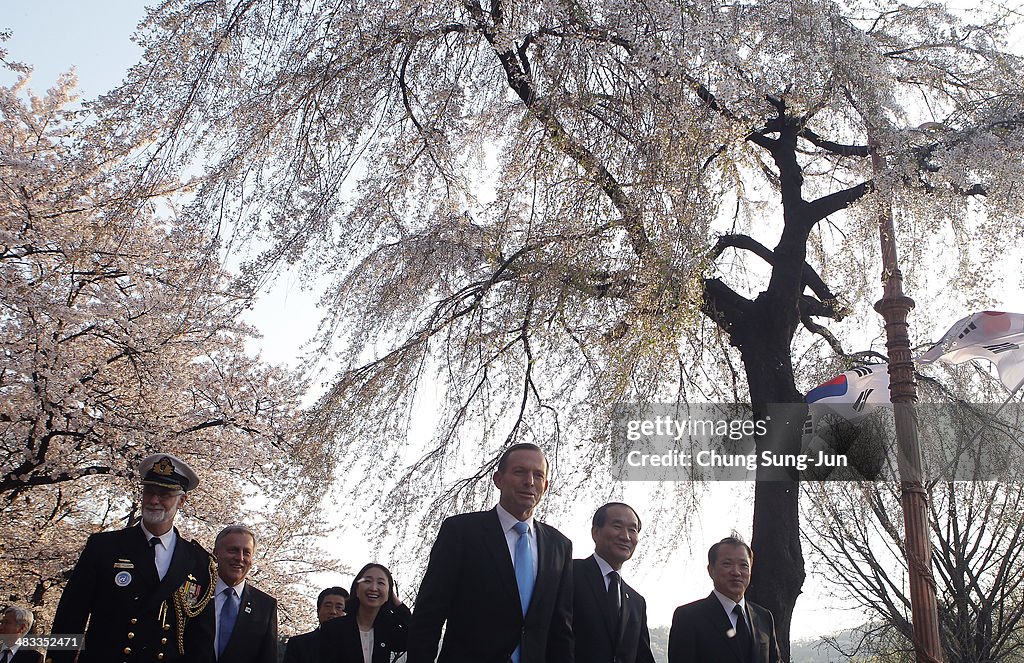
{"x": 995, "y": 336}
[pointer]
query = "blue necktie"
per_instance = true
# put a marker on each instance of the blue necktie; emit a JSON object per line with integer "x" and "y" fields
{"x": 228, "y": 616}
{"x": 523, "y": 561}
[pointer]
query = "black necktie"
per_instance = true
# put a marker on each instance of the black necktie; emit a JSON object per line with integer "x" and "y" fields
{"x": 6, "y": 658}
{"x": 742, "y": 634}
{"x": 613, "y": 595}
{"x": 153, "y": 543}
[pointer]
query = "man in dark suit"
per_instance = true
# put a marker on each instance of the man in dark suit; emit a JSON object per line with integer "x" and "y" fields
{"x": 724, "y": 627}
{"x": 16, "y": 623}
{"x": 142, "y": 590}
{"x": 305, "y": 648}
{"x": 609, "y": 617}
{"x": 501, "y": 580}
{"x": 246, "y": 618}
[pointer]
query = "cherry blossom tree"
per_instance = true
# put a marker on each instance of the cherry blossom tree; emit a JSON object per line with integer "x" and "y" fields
{"x": 120, "y": 337}
{"x": 535, "y": 209}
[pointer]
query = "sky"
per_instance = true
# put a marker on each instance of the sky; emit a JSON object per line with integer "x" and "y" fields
{"x": 93, "y": 37}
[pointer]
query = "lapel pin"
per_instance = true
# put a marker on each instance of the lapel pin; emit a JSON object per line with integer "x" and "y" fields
{"x": 248, "y": 608}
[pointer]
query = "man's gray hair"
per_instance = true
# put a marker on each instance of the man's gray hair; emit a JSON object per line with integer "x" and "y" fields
{"x": 235, "y": 529}
{"x": 22, "y": 614}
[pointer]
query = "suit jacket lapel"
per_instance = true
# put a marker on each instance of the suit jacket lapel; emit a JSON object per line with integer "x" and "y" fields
{"x": 497, "y": 545}
{"x": 755, "y": 631}
{"x": 140, "y": 550}
{"x": 545, "y": 563}
{"x": 629, "y": 611}
{"x": 722, "y": 624}
{"x": 245, "y": 607}
{"x": 600, "y": 594}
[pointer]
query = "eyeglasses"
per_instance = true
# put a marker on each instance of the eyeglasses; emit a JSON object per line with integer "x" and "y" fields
{"x": 161, "y": 493}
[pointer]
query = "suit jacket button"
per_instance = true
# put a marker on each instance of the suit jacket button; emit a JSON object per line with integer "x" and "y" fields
{"x": 167, "y": 627}
{"x": 127, "y": 650}
{"x": 160, "y": 656}
{"x": 130, "y": 635}
{"x": 163, "y": 641}
{"x": 134, "y": 621}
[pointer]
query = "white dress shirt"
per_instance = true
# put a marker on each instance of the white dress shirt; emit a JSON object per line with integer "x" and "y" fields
{"x": 728, "y": 604}
{"x": 162, "y": 551}
{"x": 606, "y": 568}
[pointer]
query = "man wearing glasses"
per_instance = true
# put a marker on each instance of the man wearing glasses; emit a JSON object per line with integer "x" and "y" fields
{"x": 142, "y": 589}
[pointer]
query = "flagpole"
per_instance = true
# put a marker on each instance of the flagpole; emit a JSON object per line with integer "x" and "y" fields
{"x": 894, "y": 308}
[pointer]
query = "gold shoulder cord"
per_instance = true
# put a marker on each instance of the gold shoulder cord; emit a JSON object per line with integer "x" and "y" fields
{"x": 183, "y": 610}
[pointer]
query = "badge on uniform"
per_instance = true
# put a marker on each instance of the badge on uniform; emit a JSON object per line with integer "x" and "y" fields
{"x": 123, "y": 579}
{"x": 124, "y": 564}
{"x": 191, "y": 590}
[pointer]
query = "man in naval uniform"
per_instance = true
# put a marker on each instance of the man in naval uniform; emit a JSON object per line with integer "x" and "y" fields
{"x": 142, "y": 589}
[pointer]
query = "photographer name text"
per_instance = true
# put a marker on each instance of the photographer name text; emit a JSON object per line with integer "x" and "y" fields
{"x": 710, "y": 458}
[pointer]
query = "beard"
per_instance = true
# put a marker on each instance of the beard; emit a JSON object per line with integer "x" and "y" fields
{"x": 152, "y": 516}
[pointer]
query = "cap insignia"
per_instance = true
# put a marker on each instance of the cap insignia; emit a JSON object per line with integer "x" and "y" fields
{"x": 165, "y": 467}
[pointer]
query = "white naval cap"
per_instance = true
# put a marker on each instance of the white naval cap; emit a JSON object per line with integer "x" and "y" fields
{"x": 168, "y": 471}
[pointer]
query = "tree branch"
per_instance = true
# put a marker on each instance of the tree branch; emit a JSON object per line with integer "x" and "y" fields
{"x": 834, "y": 202}
{"x": 835, "y": 148}
{"x": 724, "y": 305}
{"x": 810, "y": 277}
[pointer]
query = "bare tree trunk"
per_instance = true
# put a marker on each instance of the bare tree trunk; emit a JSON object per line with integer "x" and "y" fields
{"x": 778, "y": 573}
{"x": 764, "y": 339}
